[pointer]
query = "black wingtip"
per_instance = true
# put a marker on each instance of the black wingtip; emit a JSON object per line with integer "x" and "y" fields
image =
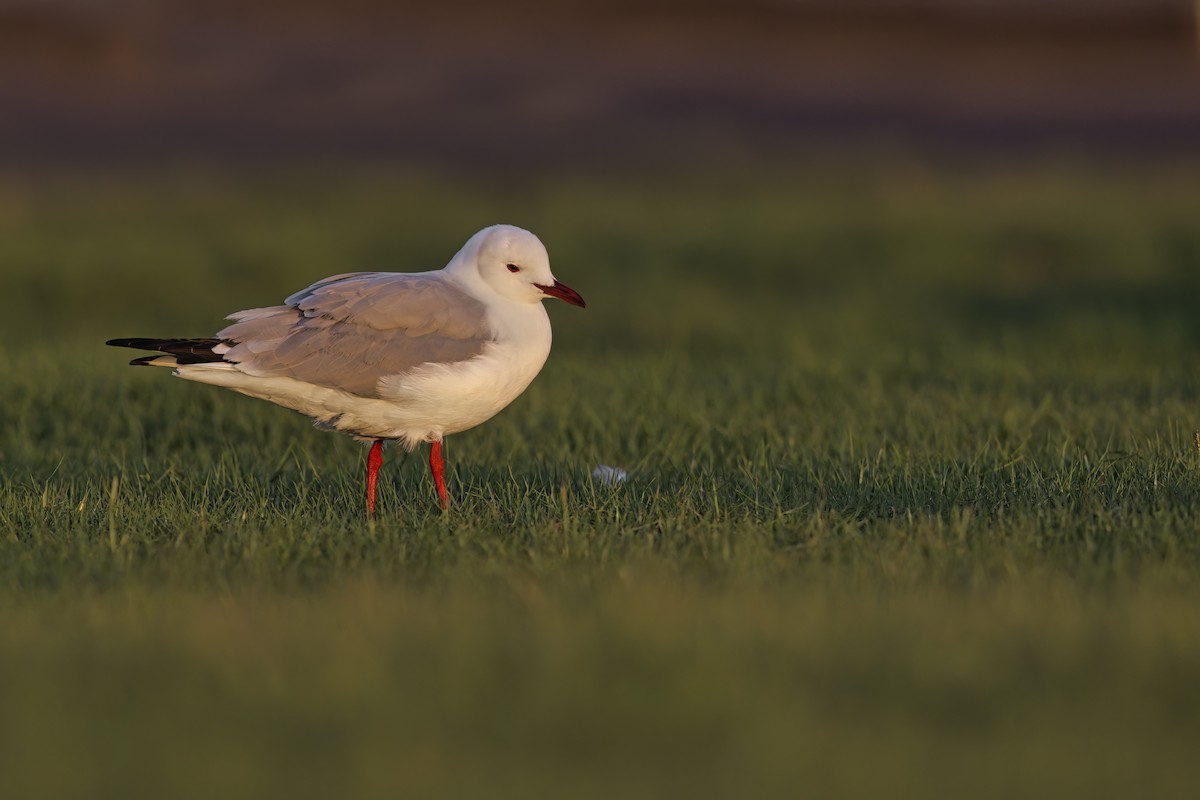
{"x": 186, "y": 351}
{"x": 140, "y": 343}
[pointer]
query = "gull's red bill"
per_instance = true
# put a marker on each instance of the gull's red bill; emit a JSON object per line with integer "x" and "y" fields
{"x": 563, "y": 292}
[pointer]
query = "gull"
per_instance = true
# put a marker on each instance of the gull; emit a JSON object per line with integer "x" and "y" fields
{"x": 391, "y": 356}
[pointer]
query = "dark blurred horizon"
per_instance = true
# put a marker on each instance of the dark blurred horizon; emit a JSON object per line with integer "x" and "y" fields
{"x": 593, "y": 83}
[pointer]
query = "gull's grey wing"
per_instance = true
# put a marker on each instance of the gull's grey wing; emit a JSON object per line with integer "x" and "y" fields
{"x": 348, "y": 331}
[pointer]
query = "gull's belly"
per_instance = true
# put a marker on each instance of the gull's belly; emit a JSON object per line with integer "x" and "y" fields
{"x": 436, "y": 400}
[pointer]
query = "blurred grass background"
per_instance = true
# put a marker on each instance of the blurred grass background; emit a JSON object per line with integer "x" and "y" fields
{"x": 891, "y": 321}
{"x": 912, "y": 486}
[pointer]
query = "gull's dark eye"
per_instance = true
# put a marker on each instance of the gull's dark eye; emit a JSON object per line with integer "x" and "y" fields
{"x": 513, "y": 268}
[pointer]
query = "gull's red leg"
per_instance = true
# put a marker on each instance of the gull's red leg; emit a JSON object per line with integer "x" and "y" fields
{"x": 438, "y": 467}
{"x": 374, "y": 462}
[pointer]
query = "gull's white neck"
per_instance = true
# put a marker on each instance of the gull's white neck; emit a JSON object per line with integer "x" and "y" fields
{"x": 513, "y": 322}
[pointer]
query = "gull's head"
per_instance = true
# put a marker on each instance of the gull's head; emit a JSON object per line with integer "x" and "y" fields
{"x": 513, "y": 263}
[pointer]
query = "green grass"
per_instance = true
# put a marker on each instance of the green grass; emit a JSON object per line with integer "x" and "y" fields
{"x": 913, "y": 505}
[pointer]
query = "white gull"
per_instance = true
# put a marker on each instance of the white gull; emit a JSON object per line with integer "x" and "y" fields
{"x": 412, "y": 357}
